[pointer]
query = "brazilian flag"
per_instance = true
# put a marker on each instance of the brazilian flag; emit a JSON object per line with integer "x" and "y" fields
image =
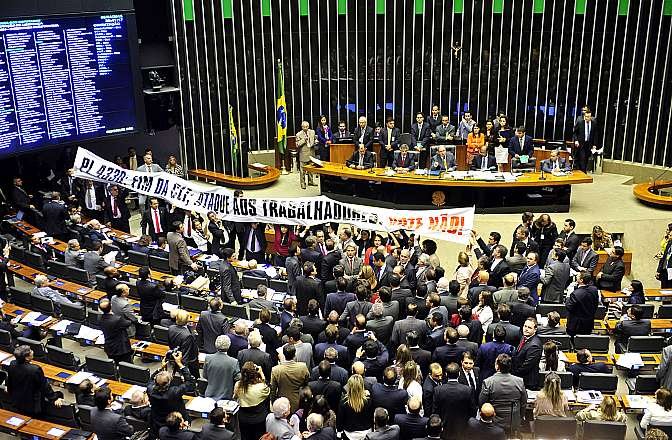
{"x": 281, "y": 111}
{"x": 233, "y": 135}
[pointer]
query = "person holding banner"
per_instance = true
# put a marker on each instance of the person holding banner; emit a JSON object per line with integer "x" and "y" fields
{"x": 148, "y": 167}
{"x": 305, "y": 142}
{"x": 178, "y": 253}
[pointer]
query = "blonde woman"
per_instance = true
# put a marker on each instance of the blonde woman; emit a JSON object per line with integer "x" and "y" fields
{"x": 601, "y": 239}
{"x": 606, "y": 412}
{"x": 551, "y": 401}
{"x": 366, "y": 274}
{"x": 463, "y": 273}
{"x": 409, "y": 380}
{"x": 355, "y": 411}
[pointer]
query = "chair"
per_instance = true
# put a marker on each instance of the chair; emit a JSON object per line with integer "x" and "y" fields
{"x": 594, "y": 343}
{"x": 93, "y": 318}
{"x": 19, "y": 297}
{"x": 158, "y": 263}
{"x": 528, "y": 167}
{"x": 254, "y": 314}
{"x": 194, "y": 303}
{"x": 138, "y": 258}
{"x": 564, "y": 342}
{"x": 77, "y": 275}
{"x": 58, "y": 269}
{"x": 665, "y": 311}
{"x": 137, "y": 424}
{"x": 100, "y": 279}
{"x": 6, "y": 341}
{"x": 133, "y": 374}
{"x": 645, "y": 344}
{"x": 101, "y": 367}
{"x": 405, "y": 138}
{"x": 647, "y": 310}
{"x": 548, "y": 427}
{"x": 606, "y": 383}
{"x": 544, "y": 308}
{"x": 566, "y": 378}
{"x": 642, "y": 384}
{"x": 201, "y": 385}
{"x": 64, "y": 415}
{"x": 143, "y": 331}
{"x": 62, "y": 358}
{"x": 235, "y": 311}
{"x": 250, "y": 282}
{"x": 16, "y": 253}
{"x": 133, "y": 290}
{"x": 39, "y": 353}
{"x": 84, "y": 414}
{"x": 601, "y": 312}
{"x": 171, "y": 298}
{"x": 597, "y": 429}
{"x": 73, "y": 312}
{"x": 278, "y": 285}
{"x": 161, "y": 334}
{"x": 33, "y": 260}
{"x": 42, "y": 304}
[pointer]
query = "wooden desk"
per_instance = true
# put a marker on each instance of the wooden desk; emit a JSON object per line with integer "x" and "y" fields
{"x": 597, "y": 357}
{"x": 269, "y": 175}
{"x": 649, "y": 359}
{"x": 602, "y": 257}
{"x": 648, "y": 193}
{"x": 649, "y": 293}
{"x": 6, "y": 415}
{"x": 153, "y": 350}
{"x": 625, "y": 403}
{"x": 28, "y": 273}
{"x": 14, "y": 311}
{"x": 132, "y": 270}
{"x": 39, "y": 429}
{"x": 656, "y": 324}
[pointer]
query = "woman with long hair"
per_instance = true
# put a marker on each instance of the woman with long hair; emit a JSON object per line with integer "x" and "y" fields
{"x": 324, "y": 138}
{"x": 252, "y": 394}
{"x": 355, "y": 411}
{"x": 660, "y": 411}
{"x": 551, "y": 401}
{"x": 463, "y": 273}
{"x": 284, "y": 237}
{"x": 485, "y": 310}
{"x": 544, "y": 232}
{"x": 490, "y": 134}
{"x": 636, "y": 296}
{"x": 378, "y": 241}
{"x": 367, "y": 275}
{"x": 409, "y": 380}
{"x": 549, "y": 359}
{"x": 607, "y": 411}
{"x": 475, "y": 140}
{"x": 601, "y": 239}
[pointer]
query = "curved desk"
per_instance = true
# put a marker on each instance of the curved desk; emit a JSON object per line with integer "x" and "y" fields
{"x": 411, "y": 191}
{"x": 645, "y": 193}
{"x": 270, "y": 176}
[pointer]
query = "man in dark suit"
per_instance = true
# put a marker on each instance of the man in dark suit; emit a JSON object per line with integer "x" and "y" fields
{"x": 444, "y": 131}
{"x": 498, "y": 267}
{"x": 520, "y": 144}
{"x": 337, "y": 300}
{"x": 450, "y": 352}
{"x": 27, "y": 387}
{"x": 117, "y": 345}
{"x": 363, "y": 135}
{"x": 154, "y": 220}
{"x": 552, "y": 326}
{"x": 611, "y": 275}
{"x": 106, "y": 423}
{"x": 454, "y": 402}
{"x": 522, "y": 309}
{"x": 313, "y": 324}
{"x": 483, "y": 427}
{"x": 70, "y": 185}
{"x": 403, "y": 327}
{"x": 55, "y": 214}
{"x": 166, "y": 396}
{"x": 116, "y": 213}
{"x": 421, "y": 133}
{"x": 634, "y": 325}
{"x": 581, "y": 306}
{"x": 387, "y": 395}
{"x": 528, "y": 355}
{"x": 180, "y": 337}
{"x": 342, "y": 135}
{"x": 219, "y": 232}
{"x": 211, "y": 324}
{"x": 307, "y": 287}
{"x": 470, "y": 375}
{"x": 420, "y": 356}
{"x": 443, "y": 160}
{"x": 404, "y": 161}
{"x": 329, "y": 261}
{"x": 255, "y": 242}
{"x": 434, "y": 118}
{"x": 412, "y": 424}
{"x": 556, "y": 278}
{"x": 585, "y": 364}
{"x": 324, "y": 385}
{"x": 585, "y": 258}
{"x": 92, "y": 197}
{"x": 530, "y": 275}
{"x": 255, "y": 355}
{"x": 585, "y": 138}
{"x": 231, "y": 288}
{"x": 131, "y": 160}
{"x": 361, "y": 159}
{"x": 572, "y": 240}
{"x": 310, "y": 253}
{"x": 484, "y": 161}
{"x": 19, "y": 197}
{"x": 513, "y": 333}
{"x": 353, "y": 308}
{"x": 554, "y": 163}
{"x": 389, "y": 143}
{"x": 522, "y": 235}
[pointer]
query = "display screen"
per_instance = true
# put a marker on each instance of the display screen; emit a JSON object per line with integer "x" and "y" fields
{"x": 64, "y": 79}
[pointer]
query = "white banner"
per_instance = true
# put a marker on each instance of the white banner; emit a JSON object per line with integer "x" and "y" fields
{"x": 443, "y": 224}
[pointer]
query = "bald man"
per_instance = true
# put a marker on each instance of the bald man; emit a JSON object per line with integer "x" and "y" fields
{"x": 485, "y": 428}
{"x": 412, "y": 424}
{"x": 363, "y": 135}
{"x": 305, "y": 142}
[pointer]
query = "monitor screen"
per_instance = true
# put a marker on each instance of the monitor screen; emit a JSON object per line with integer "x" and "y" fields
{"x": 64, "y": 79}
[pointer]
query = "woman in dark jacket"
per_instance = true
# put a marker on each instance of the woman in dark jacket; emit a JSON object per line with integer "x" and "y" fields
{"x": 544, "y": 232}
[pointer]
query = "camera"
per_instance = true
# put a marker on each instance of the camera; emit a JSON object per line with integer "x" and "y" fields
{"x": 170, "y": 354}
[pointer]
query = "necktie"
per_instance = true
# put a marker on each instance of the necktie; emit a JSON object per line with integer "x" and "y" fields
{"x": 115, "y": 210}
{"x": 470, "y": 378}
{"x": 587, "y": 130}
{"x": 389, "y": 136}
{"x": 342, "y": 134}
{"x": 361, "y": 160}
{"x": 403, "y": 158}
{"x": 484, "y": 163}
{"x": 583, "y": 258}
{"x": 323, "y": 249}
{"x": 445, "y": 166}
{"x": 351, "y": 265}
{"x": 522, "y": 342}
{"x": 188, "y": 225}
{"x": 157, "y": 222}
{"x": 89, "y": 199}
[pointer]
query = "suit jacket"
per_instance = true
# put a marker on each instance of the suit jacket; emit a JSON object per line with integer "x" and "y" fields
{"x": 221, "y": 371}
{"x": 178, "y": 253}
{"x": 210, "y": 325}
{"x": 116, "y": 339}
{"x": 305, "y": 289}
{"x": 392, "y": 399}
{"x": 220, "y": 236}
{"x": 627, "y": 328}
{"x": 286, "y": 380}
{"x": 548, "y": 166}
{"x": 55, "y": 214}
{"x": 407, "y": 162}
{"x": 580, "y": 134}
{"x": 498, "y": 273}
{"x": 390, "y": 432}
{"x": 313, "y": 325}
{"x": 508, "y": 395}
{"x": 326, "y": 268}
{"x": 260, "y": 358}
{"x": 324, "y": 134}
{"x": 532, "y": 246}
{"x": 69, "y": 186}
{"x": 337, "y": 301}
{"x": 477, "y": 381}
{"x": 411, "y": 425}
{"x": 180, "y": 434}
{"x": 121, "y": 307}
{"x": 28, "y": 388}
{"x": 381, "y": 327}
{"x": 516, "y": 263}
{"x": 477, "y": 162}
{"x": 420, "y": 136}
{"x": 214, "y": 432}
{"x": 486, "y": 431}
{"x": 487, "y": 354}
{"x": 329, "y": 388}
{"x": 74, "y": 258}
{"x": 110, "y": 425}
{"x": 367, "y": 140}
{"x": 231, "y": 288}
{"x": 520, "y": 311}
{"x": 94, "y": 264}
{"x": 455, "y": 404}
{"x": 183, "y": 339}
{"x": 581, "y": 306}
{"x": 442, "y": 132}
{"x": 572, "y": 242}
{"x": 354, "y": 269}
{"x": 293, "y": 267}
{"x": 19, "y": 198}
{"x": 521, "y": 146}
{"x": 384, "y": 141}
{"x": 438, "y": 162}
{"x": 147, "y": 222}
{"x": 259, "y": 234}
{"x": 121, "y": 207}
{"x": 367, "y": 160}
{"x": 305, "y": 142}
{"x": 151, "y": 300}
{"x": 555, "y": 281}
{"x": 587, "y": 259}
{"x": 529, "y": 277}
{"x": 513, "y": 333}
{"x": 447, "y": 353}
{"x": 612, "y": 275}
{"x": 403, "y": 326}
{"x": 346, "y": 136}
{"x": 526, "y": 362}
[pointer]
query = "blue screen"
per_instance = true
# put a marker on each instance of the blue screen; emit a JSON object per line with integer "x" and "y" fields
{"x": 64, "y": 80}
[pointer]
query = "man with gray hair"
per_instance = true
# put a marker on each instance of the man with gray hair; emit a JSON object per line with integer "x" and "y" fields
{"x": 255, "y": 355}
{"x": 43, "y": 290}
{"x": 277, "y": 422}
{"x": 263, "y": 299}
{"x": 380, "y": 325}
{"x": 316, "y": 429}
{"x": 121, "y": 307}
{"x": 464, "y": 342}
{"x": 305, "y": 143}
{"x": 73, "y": 254}
{"x": 220, "y": 370}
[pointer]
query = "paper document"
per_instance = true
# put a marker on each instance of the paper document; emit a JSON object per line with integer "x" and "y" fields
{"x": 132, "y": 239}
{"x": 201, "y": 404}
{"x": 669, "y": 273}
{"x": 80, "y": 376}
{"x": 563, "y": 357}
{"x": 167, "y": 307}
{"x": 55, "y": 432}
{"x": 110, "y": 257}
{"x": 60, "y": 326}
{"x": 28, "y": 318}
{"x": 201, "y": 357}
{"x": 639, "y": 402}
{"x": 630, "y": 360}
{"x": 589, "y": 396}
{"x": 501, "y": 155}
{"x": 88, "y": 333}
{"x": 14, "y": 421}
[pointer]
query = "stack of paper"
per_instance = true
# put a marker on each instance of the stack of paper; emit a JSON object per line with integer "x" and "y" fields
{"x": 60, "y": 326}
{"x": 569, "y": 395}
{"x": 229, "y": 406}
{"x": 34, "y": 318}
{"x": 630, "y": 360}
{"x": 201, "y": 405}
{"x": 110, "y": 257}
{"x": 80, "y": 376}
{"x": 639, "y": 402}
{"x": 88, "y": 333}
{"x": 589, "y": 396}
{"x": 167, "y": 307}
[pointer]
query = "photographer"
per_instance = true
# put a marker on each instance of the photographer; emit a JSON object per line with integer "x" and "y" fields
{"x": 164, "y": 397}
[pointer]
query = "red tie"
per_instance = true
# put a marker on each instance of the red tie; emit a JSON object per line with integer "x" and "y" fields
{"x": 115, "y": 211}
{"x": 522, "y": 342}
{"x": 157, "y": 222}
{"x": 189, "y": 226}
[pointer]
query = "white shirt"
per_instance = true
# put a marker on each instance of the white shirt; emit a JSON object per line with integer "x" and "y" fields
{"x": 495, "y": 262}
{"x": 90, "y": 198}
{"x": 655, "y": 414}
{"x": 361, "y": 136}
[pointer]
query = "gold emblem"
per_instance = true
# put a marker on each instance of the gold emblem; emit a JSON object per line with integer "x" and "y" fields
{"x": 438, "y": 198}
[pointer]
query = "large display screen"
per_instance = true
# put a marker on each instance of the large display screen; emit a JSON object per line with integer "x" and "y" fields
{"x": 64, "y": 79}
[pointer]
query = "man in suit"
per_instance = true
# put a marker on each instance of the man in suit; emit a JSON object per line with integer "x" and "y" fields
{"x": 387, "y": 394}
{"x": 74, "y": 255}
{"x": 585, "y": 138}
{"x": 404, "y": 162}
{"x": 389, "y": 143}
{"x": 178, "y": 253}
{"x": 484, "y": 248}
{"x": 361, "y": 159}
{"x": 470, "y": 375}
{"x": 585, "y": 259}
{"x": 342, "y": 135}
{"x": 108, "y": 424}
{"x": 351, "y": 263}
{"x": 293, "y": 266}
{"x": 530, "y": 275}
{"x": 93, "y": 262}
{"x": 19, "y": 197}
{"x": 116, "y": 213}
{"x": 520, "y": 144}
{"x": 633, "y": 325}
{"x": 27, "y": 387}
{"x": 402, "y": 327}
{"x": 484, "y": 426}
{"x": 552, "y": 326}
{"x": 581, "y": 306}
{"x": 498, "y": 267}
{"x": 556, "y": 278}
{"x": 307, "y": 287}
{"x": 450, "y": 351}
{"x": 131, "y": 160}
{"x": 611, "y": 275}
{"x": 310, "y": 252}
{"x": 508, "y": 293}
{"x": 55, "y": 214}
{"x": 117, "y": 345}
{"x": 585, "y": 364}
{"x": 434, "y": 118}
{"x": 488, "y": 352}
{"x": 412, "y": 424}
{"x": 231, "y": 288}
{"x": 324, "y": 385}
{"x": 528, "y": 355}
{"x": 482, "y": 286}
{"x": 572, "y": 240}
{"x": 92, "y": 198}
{"x": 70, "y": 185}
{"x": 522, "y": 235}
{"x": 305, "y": 143}
{"x": 180, "y": 337}
{"x": 381, "y": 428}
{"x": 420, "y": 137}
{"x": 554, "y": 163}
{"x": 148, "y": 166}
{"x": 211, "y": 324}
{"x": 363, "y": 135}
{"x": 483, "y": 161}
{"x": 380, "y": 324}
{"x": 121, "y": 307}
{"x": 288, "y": 377}
{"x": 454, "y": 402}
{"x": 444, "y": 131}
{"x": 443, "y": 160}
{"x": 506, "y": 393}
{"x": 154, "y": 220}
{"x": 255, "y": 354}
{"x": 255, "y": 242}
{"x": 312, "y": 323}
{"x": 219, "y": 231}
{"x": 329, "y": 260}
{"x": 513, "y": 332}
{"x": 517, "y": 262}
{"x": 337, "y": 300}
{"x": 220, "y": 370}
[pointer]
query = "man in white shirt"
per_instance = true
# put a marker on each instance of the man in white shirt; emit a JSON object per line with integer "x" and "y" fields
{"x": 148, "y": 167}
